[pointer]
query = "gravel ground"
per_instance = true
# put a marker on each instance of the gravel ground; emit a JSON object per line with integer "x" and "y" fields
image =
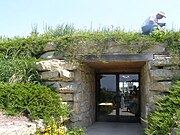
{"x": 12, "y": 125}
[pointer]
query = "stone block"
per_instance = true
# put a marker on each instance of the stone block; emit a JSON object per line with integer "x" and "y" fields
{"x": 78, "y": 75}
{"x": 162, "y": 60}
{"x": 50, "y": 47}
{"x": 50, "y": 75}
{"x": 160, "y": 86}
{"x": 70, "y": 85}
{"x": 76, "y": 108}
{"x": 54, "y": 85}
{"x": 48, "y": 55}
{"x": 122, "y": 49}
{"x": 155, "y": 49}
{"x": 45, "y": 65}
{"x": 51, "y": 55}
{"x": 66, "y": 75}
{"x": 54, "y": 64}
{"x": 64, "y": 87}
{"x": 85, "y": 106}
{"x": 85, "y": 122}
{"x": 62, "y": 75}
{"x": 85, "y": 96}
{"x": 77, "y": 97}
{"x": 66, "y": 97}
{"x": 74, "y": 117}
{"x": 161, "y": 74}
{"x": 172, "y": 68}
{"x": 153, "y": 97}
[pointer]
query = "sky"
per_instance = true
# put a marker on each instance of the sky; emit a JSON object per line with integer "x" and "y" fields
{"x": 18, "y": 17}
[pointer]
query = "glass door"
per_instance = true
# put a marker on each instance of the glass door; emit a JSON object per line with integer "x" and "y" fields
{"x": 107, "y": 102}
{"x": 118, "y": 97}
{"x": 130, "y": 97}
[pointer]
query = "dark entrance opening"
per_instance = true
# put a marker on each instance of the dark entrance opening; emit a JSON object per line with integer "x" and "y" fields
{"x": 118, "y": 97}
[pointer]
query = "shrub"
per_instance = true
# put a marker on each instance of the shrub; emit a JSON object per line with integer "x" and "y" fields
{"x": 15, "y": 70}
{"x": 177, "y": 122}
{"x": 164, "y": 119}
{"x": 41, "y": 101}
{"x": 31, "y": 46}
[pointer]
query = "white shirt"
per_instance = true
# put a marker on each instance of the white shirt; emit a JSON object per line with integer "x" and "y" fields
{"x": 150, "y": 18}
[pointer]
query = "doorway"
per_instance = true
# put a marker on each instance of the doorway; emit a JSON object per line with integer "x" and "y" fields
{"x": 118, "y": 97}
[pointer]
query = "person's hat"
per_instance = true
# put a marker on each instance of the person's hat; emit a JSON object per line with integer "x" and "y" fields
{"x": 162, "y": 14}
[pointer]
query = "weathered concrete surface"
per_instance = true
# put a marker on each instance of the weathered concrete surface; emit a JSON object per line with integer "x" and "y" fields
{"x": 121, "y": 57}
{"x": 110, "y": 128}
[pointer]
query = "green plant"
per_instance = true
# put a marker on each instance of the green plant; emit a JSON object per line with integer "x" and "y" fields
{"x": 161, "y": 121}
{"x": 17, "y": 47}
{"x": 75, "y": 131}
{"x": 76, "y": 44}
{"x": 61, "y": 30}
{"x": 16, "y": 70}
{"x": 59, "y": 129}
{"x": 53, "y": 129}
{"x": 41, "y": 101}
{"x": 77, "y": 47}
{"x": 176, "y": 119}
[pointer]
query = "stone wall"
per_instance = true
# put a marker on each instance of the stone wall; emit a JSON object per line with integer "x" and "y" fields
{"x": 76, "y": 84}
{"x": 84, "y": 100}
{"x": 156, "y": 79}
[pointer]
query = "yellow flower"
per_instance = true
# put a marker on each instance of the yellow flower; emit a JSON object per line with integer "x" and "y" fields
{"x": 63, "y": 128}
{"x": 55, "y": 126}
{"x": 42, "y": 129}
{"x": 61, "y": 131}
{"x": 48, "y": 128}
{"x": 46, "y": 134}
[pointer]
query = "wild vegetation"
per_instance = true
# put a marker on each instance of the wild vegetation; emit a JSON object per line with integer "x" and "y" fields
{"x": 71, "y": 42}
{"x": 40, "y": 102}
{"x": 166, "y": 118}
{"x": 18, "y": 73}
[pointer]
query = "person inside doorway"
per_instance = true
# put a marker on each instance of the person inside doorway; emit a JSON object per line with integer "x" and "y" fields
{"x": 152, "y": 23}
{"x": 134, "y": 101}
{"x": 122, "y": 101}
